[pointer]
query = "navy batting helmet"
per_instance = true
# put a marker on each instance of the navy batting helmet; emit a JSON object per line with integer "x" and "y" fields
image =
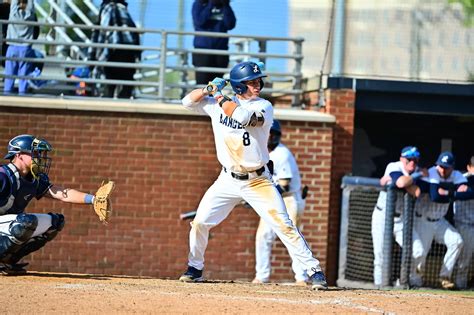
{"x": 245, "y": 71}
{"x": 37, "y": 148}
{"x": 276, "y": 127}
{"x": 275, "y": 135}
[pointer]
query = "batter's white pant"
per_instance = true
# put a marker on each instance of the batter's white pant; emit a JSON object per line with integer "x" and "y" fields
{"x": 442, "y": 232}
{"x": 378, "y": 231}
{"x": 265, "y": 237}
{"x": 264, "y": 198}
{"x": 44, "y": 223}
{"x": 464, "y": 260}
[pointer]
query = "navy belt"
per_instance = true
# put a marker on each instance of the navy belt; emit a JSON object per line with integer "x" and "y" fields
{"x": 395, "y": 215}
{"x": 428, "y": 219}
{"x": 245, "y": 176}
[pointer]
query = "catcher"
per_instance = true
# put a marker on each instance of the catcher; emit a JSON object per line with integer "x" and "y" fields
{"x": 26, "y": 177}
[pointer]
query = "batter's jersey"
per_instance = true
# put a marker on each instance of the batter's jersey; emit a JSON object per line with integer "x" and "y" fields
{"x": 394, "y": 170}
{"x": 464, "y": 209}
{"x": 17, "y": 192}
{"x": 285, "y": 166}
{"x": 425, "y": 204}
{"x": 240, "y": 148}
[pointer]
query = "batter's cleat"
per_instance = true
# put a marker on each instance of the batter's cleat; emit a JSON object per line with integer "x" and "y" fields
{"x": 192, "y": 275}
{"x": 318, "y": 281}
{"x": 13, "y": 270}
{"x": 447, "y": 284}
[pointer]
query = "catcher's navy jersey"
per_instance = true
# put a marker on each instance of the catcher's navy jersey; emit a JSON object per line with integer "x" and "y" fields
{"x": 16, "y": 192}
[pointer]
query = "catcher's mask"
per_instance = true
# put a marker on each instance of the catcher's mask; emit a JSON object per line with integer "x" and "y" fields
{"x": 38, "y": 150}
{"x": 275, "y": 135}
{"x": 245, "y": 71}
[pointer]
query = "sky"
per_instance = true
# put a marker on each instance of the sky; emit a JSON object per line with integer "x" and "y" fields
{"x": 254, "y": 17}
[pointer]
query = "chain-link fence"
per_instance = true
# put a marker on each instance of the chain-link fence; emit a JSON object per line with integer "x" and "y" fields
{"x": 373, "y": 221}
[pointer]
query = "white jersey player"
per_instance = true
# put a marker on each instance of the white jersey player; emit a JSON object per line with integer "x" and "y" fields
{"x": 442, "y": 185}
{"x": 286, "y": 177}
{"x": 241, "y": 128}
{"x": 464, "y": 221}
{"x": 402, "y": 173}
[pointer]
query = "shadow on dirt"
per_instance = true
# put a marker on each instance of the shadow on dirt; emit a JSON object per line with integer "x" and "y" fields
{"x": 79, "y": 276}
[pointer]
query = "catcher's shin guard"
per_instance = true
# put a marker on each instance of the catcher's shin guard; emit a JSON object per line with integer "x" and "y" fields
{"x": 21, "y": 231}
{"x": 57, "y": 224}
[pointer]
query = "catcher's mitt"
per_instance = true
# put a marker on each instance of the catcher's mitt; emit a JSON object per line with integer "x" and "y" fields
{"x": 102, "y": 204}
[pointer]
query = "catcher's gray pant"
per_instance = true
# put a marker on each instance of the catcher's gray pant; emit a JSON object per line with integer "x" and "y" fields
{"x": 265, "y": 237}
{"x": 464, "y": 260}
{"x": 44, "y": 223}
{"x": 18, "y": 239}
{"x": 442, "y": 232}
{"x": 264, "y": 198}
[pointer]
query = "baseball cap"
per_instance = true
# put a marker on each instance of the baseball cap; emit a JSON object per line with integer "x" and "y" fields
{"x": 445, "y": 159}
{"x": 410, "y": 152}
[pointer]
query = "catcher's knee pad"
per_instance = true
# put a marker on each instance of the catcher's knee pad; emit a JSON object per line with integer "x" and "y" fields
{"x": 21, "y": 231}
{"x": 57, "y": 224}
{"x": 23, "y": 227}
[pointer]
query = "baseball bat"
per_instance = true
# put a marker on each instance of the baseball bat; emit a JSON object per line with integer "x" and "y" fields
{"x": 188, "y": 215}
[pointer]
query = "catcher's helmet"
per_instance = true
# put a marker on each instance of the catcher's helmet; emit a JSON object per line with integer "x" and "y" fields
{"x": 275, "y": 135}
{"x": 37, "y": 148}
{"x": 245, "y": 71}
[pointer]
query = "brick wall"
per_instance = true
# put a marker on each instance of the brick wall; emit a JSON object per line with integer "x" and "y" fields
{"x": 162, "y": 165}
{"x": 339, "y": 103}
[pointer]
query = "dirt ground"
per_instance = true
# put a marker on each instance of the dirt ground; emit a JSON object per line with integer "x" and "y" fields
{"x": 54, "y": 293}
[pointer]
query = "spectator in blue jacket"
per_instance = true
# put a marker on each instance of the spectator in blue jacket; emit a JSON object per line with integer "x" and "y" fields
{"x": 211, "y": 16}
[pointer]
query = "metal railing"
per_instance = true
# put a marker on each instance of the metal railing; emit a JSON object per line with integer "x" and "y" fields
{"x": 163, "y": 71}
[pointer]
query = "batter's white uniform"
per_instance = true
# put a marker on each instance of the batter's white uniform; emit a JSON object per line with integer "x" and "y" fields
{"x": 430, "y": 224}
{"x": 284, "y": 167}
{"x": 464, "y": 221}
{"x": 378, "y": 221}
{"x": 242, "y": 150}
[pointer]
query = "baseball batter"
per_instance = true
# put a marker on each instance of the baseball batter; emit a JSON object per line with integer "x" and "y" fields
{"x": 286, "y": 177}
{"x": 464, "y": 221}
{"x": 241, "y": 126}
{"x": 403, "y": 173}
{"x": 26, "y": 177}
{"x": 442, "y": 184}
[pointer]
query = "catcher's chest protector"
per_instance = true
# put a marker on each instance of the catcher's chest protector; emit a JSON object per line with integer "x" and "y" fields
{"x": 21, "y": 191}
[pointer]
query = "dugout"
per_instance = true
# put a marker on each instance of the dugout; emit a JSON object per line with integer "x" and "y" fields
{"x": 389, "y": 115}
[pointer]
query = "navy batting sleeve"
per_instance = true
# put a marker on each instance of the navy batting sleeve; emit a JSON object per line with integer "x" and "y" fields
{"x": 395, "y": 176}
{"x": 43, "y": 186}
{"x": 436, "y": 197}
{"x": 467, "y": 195}
{"x": 424, "y": 185}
